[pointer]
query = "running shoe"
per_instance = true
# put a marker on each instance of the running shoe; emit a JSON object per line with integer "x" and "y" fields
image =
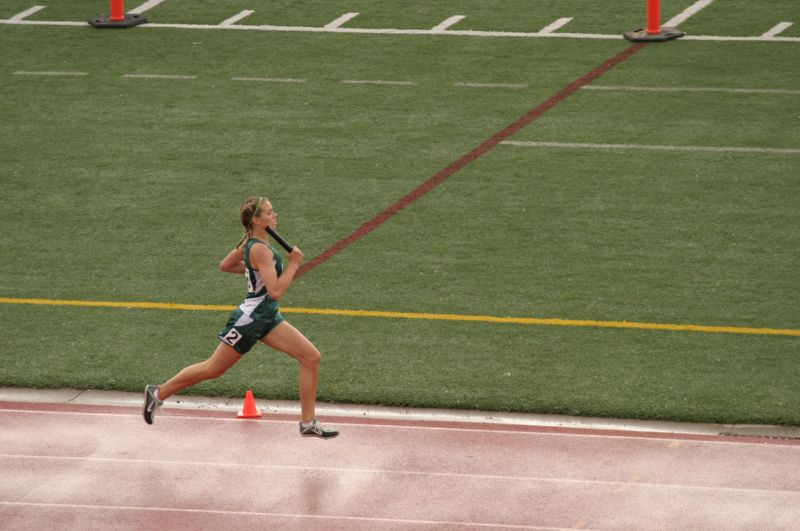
{"x": 151, "y": 403}
{"x": 315, "y": 429}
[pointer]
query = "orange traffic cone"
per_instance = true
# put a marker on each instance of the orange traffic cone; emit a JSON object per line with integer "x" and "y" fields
{"x": 249, "y": 410}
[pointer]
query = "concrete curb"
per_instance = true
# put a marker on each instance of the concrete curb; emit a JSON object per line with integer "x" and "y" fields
{"x": 326, "y": 410}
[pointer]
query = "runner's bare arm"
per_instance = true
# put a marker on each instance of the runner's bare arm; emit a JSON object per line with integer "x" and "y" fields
{"x": 233, "y": 262}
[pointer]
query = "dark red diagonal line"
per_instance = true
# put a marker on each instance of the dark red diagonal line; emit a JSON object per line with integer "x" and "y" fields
{"x": 476, "y": 153}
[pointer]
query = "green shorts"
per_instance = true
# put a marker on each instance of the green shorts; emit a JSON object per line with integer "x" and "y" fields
{"x": 243, "y": 331}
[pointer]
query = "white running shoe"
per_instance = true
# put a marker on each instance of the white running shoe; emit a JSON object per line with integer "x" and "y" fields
{"x": 151, "y": 403}
{"x": 315, "y": 429}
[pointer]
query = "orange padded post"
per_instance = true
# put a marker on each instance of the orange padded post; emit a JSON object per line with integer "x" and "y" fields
{"x": 117, "y": 10}
{"x": 653, "y": 32}
{"x": 653, "y": 17}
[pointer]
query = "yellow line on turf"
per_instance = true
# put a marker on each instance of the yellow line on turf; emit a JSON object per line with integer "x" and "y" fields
{"x": 425, "y": 316}
{"x": 110, "y": 304}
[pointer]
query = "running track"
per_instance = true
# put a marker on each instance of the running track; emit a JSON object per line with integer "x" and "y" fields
{"x": 70, "y": 466}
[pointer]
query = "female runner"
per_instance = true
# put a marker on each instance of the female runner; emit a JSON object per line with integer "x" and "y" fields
{"x": 256, "y": 319}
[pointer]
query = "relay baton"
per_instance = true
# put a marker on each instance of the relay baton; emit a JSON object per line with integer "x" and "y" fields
{"x": 278, "y": 238}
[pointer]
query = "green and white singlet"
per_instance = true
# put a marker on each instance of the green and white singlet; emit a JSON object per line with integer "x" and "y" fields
{"x": 259, "y": 313}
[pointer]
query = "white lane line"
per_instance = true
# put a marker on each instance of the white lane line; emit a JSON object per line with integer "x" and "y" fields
{"x": 203, "y": 465}
{"x": 492, "y": 85}
{"x": 381, "y": 414}
{"x": 236, "y": 18}
{"x": 779, "y": 28}
{"x": 29, "y": 73}
{"x": 556, "y": 25}
{"x": 270, "y": 79}
{"x": 25, "y": 14}
{"x": 147, "y": 6}
{"x": 582, "y": 431}
{"x": 376, "y": 82}
{"x": 448, "y": 23}
{"x": 655, "y": 147}
{"x": 405, "y": 522}
{"x": 787, "y": 92}
{"x": 340, "y": 21}
{"x": 157, "y": 76}
{"x": 693, "y": 9}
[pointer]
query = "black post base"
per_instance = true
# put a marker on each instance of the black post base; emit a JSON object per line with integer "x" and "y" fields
{"x": 666, "y": 34}
{"x": 105, "y": 21}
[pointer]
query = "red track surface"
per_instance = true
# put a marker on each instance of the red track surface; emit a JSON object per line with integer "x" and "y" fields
{"x": 100, "y": 467}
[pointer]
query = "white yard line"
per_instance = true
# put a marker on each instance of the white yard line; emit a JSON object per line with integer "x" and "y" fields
{"x": 779, "y": 28}
{"x": 236, "y": 18}
{"x": 270, "y": 79}
{"x": 615, "y": 88}
{"x": 147, "y": 6}
{"x": 158, "y": 76}
{"x": 602, "y": 88}
{"x": 335, "y": 27}
{"x": 376, "y": 82}
{"x": 492, "y": 85}
{"x": 687, "y": 13}
{"x": 49, "y": 73}
{"x": 389, "y": 31}
{"x": 725, "y": 38}
{"x": 25, "y": 14}
{"x": 654, "y": 147}
{"x": 556, "y": 25}
{"x": 445, "y": 24}
{"x": 44, "y": 23}
{"x": 339, "y": 22}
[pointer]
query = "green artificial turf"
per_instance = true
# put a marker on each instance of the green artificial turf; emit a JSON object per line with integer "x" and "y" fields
{"x": 121, "y": 189}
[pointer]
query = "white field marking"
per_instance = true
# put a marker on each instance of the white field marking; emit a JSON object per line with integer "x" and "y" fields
{"x": 270, "y": 79}
{"x": 341, "y": 21}
{"x": 367, "y": 31}
{"x": 556, "y": 25}
{"x": 786, "y": 92}
{"x": 643, "y": 434}
{"x": 28, "y": 73}
{"x": 436, "y": 523}
{"x": 236, "y": 18}
{"x": 724, "y": 38}
{"x": 655, "y": 147}
{"x": 147, "y": 6}
{"x": 25, "y": 14}
{"x": 391, "y": 31}
{"x": 377, "y": 82}
{"x": 693, "y": 9}
{"x": 43, "y": 22}
{"x": 158, "y": 76}
{"x": 779, "y": 28}
{"x": 395, "y": 472}
{"x": 492, "y": 85}
{"x": 448, "y": 23}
